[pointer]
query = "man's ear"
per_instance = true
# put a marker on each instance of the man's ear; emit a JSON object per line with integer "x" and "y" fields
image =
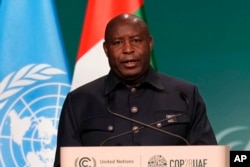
{"x": 104, "y": 45}
{"x": 151, "y": 42}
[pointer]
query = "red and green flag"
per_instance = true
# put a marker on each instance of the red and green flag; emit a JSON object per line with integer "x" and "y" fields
{"x": 91, "y": 62}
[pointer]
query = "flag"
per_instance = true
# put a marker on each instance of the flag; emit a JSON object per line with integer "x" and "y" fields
{"x": 91, "y": 61}
{"x": 34, "y": 80}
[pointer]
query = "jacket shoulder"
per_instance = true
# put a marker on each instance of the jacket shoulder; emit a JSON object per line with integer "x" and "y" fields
{"x": 174, "y": 81}
{"x": 91, "y": 87}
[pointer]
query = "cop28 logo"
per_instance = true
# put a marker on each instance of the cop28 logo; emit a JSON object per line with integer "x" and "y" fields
{"x": 30, "y": 105}
{"x": 157, "y": 160}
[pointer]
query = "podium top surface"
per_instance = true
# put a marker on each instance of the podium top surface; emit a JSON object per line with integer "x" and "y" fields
{"x": 142, "y": 156}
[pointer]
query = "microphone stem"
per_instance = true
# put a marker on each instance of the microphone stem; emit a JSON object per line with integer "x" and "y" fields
{"x": 148, "y": 126}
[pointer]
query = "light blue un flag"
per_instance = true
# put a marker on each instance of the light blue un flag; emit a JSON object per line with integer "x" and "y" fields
{"x": 34, "y": 80}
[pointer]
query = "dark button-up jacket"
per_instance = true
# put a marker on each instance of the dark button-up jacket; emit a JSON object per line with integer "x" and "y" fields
{"x": 166, "y": 103}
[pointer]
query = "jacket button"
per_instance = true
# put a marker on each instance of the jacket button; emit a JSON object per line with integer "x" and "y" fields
{"x": 133, "y": 90}
{"x": 158, "y": 125}
{"x": 135, "y": 129}
{"x": 110, "y": 128}
{"x": 134, "y": 109}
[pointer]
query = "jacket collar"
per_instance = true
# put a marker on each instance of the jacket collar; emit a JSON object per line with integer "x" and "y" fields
{"x": 152, "y": 79}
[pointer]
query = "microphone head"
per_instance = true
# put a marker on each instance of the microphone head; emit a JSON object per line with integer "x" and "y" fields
{"x": 109, "y": 97}
{"x": 184, "y": 97}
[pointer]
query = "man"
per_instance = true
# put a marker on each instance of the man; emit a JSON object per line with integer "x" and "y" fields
{"x": 133, "y": 104}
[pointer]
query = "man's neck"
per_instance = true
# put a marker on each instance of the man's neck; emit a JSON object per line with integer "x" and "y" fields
{"x": 133, "y": 82}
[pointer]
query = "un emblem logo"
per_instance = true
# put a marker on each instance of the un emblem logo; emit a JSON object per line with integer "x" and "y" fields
{"x": 30, "y": 103}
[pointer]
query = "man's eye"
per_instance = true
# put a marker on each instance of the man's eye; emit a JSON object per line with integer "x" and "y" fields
{"x": 117, "y": 43}
{"x": 136, "y": 40}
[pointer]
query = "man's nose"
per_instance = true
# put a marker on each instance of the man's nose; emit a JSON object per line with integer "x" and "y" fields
{"x": 128, "y": 47}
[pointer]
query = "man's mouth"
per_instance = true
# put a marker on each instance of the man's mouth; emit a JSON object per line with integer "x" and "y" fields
{"x": 130, "y": 63}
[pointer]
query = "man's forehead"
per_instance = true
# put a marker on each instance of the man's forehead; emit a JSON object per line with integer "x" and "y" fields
{"x": 128, "y": 30}
{"x": 124, "y": 24}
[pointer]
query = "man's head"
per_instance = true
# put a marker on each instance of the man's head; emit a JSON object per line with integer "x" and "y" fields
{"x": 128, "y": 45}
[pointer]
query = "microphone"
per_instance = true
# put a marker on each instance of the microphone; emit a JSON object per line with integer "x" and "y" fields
{"x": 184, "y": 97}
{"x": 139, "y": 128}
{"x": 150, "y": 126}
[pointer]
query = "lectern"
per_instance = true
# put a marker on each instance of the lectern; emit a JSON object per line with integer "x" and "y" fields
{"x": 145, "y": 156}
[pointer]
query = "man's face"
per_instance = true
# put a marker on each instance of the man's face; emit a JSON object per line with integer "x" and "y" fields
{"x": 128, "y": 48}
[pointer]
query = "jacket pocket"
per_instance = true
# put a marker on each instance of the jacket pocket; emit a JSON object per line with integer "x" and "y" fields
{"x": 98, "y": 123}
{"x": 167, "y": 117}
{"x": 95, "y": 130}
